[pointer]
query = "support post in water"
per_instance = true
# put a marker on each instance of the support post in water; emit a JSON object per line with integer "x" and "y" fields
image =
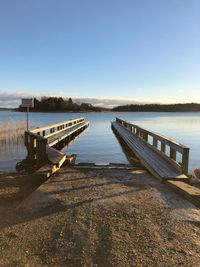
{"x": 27, "y": 118}
{"x": 27, "y": 103}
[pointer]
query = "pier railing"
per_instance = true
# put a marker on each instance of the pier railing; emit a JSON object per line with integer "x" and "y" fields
{"x": 169, "y": 149}
{"x": 37, "y": 139}
{"x": 53, "y": 129}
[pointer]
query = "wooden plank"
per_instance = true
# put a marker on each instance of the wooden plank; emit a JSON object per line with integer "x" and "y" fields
{"x": 47, "y": 170}
{"x": 188, "y": 191}
{"x": 55, "y": 157}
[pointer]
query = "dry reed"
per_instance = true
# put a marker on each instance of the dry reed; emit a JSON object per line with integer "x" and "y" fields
{"x": 13, "y": 130}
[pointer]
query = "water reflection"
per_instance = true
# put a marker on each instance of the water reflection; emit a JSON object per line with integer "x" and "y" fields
{"x": 12, "y": 142}
{"x": 98, "y": 144}
{"x": 12, "y": 151}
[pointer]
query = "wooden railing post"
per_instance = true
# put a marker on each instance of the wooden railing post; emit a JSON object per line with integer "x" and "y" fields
{"x": 145, "y": 137}
{"x": 172, "y": 154}
{"x": 185, "y": 160}
{"x": 163, "y": 148}
{"x": 155, "y": 142}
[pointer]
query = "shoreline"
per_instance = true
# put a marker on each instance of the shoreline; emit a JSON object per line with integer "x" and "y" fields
{"x": 86, "y": 216}
{"x": 108, "y": 111}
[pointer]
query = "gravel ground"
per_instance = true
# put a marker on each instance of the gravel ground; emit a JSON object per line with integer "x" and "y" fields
{"x": 96, "y": 217}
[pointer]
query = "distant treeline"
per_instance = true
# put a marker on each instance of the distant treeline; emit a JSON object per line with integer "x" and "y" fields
{"x": 188, "y": 107}
{"x": 6, "y": 108}
{"x": 60, "y": 104}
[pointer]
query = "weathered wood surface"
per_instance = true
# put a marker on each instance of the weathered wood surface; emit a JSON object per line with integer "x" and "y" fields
{"x": 40, "y": 141}
{"x": 52, "y": 140}
{"x": 171, "y": 150}
{"x": 190, "y": 192}
{"x": 158, "y": 165}
{"x": 57, "y": 126}
{"x": 55, "y": 156}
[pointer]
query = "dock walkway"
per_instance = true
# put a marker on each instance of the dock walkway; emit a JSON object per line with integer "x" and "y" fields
{"x": 53, "y": 140}
{"x": 43, "y": 144}
{"x": 155, "y": 160}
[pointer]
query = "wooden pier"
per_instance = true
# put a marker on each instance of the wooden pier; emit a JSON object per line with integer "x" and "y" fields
{"x": 43, "y": 143}
{"x": 163, "y": 157}
{"x": 111, "y": 215}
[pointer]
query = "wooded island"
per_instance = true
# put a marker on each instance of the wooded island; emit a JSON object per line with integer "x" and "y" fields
{"x": 60, "y": 104}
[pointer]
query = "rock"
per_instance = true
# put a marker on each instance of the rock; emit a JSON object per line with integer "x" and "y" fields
{"x": 197, "y": 173}
{"x": 70, "y": 160}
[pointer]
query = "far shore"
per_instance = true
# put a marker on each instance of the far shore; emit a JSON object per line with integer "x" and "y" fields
{"x": 106, "y": 111}
{"x": 52, "y": 105}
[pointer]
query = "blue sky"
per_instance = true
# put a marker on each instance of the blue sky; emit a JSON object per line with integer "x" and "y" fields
{"x": 136, "y": 50}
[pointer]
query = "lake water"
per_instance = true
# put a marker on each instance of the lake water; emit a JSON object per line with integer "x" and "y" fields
{"x": 98, "y": 144}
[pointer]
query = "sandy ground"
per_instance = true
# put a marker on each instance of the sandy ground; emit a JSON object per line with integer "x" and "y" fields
{"x": 96, "y": 217}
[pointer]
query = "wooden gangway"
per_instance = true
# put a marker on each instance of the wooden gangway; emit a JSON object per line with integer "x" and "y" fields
{"x": 43, "y": 143}
{"x": 163, "y": 157}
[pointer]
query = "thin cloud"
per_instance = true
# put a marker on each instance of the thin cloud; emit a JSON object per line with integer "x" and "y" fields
{"x": 13, "y": 100}
{"x": 108, "y": 102}
{"x": 8, "y": 100}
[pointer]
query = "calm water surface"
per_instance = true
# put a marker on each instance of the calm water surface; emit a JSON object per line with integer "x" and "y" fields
{"x": 98, "y": 144}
